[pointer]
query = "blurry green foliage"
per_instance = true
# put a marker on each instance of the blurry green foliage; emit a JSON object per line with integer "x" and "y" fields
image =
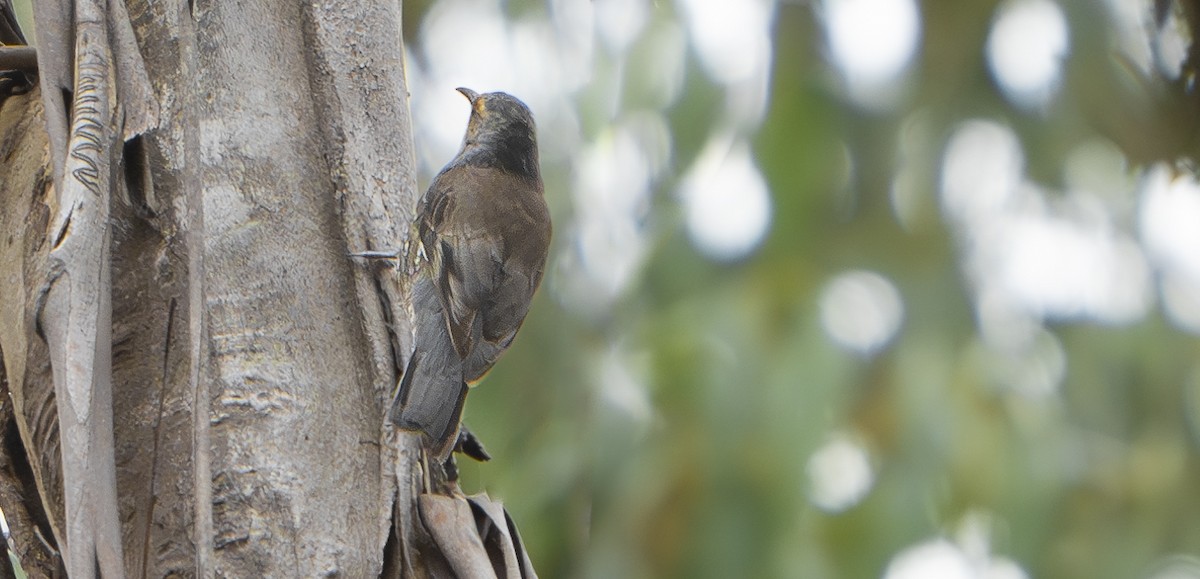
{"x": 1097, "y": 479}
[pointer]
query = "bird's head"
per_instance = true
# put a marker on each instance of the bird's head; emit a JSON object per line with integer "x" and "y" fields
{"x": 501, "y": 125}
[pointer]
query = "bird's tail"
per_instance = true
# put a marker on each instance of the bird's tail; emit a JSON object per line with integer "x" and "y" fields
{"x": 431, "y": 394}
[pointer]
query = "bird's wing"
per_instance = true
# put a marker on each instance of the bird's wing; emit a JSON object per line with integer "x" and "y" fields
{"x": 527, "y": 243}
{"x": 464, "y": 255}
{"x": 505, "y": 309}
{"x": 521, "y": 263}
{"x": 501, "y": 315}
{"x": 431, "y": 394}
{"x": 466, "y": 281}
{"x": 487, "y": 244}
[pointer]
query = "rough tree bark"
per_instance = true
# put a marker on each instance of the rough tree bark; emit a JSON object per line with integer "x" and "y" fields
{"x": 199, "y": 373}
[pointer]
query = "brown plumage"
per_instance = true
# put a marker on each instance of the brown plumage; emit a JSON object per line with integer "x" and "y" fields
{"x": 484, "y": 232}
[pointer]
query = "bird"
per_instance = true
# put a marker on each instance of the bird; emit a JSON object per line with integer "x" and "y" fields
{"x": 482, "y": 235}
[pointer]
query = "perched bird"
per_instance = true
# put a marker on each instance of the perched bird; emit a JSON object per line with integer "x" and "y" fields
{"x": 482, "y": 232}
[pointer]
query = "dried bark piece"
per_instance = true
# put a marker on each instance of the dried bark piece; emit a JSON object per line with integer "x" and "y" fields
{"x": 452, "y": 524}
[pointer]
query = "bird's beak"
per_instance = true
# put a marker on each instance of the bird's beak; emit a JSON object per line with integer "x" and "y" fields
{"x": 477, "y": 101}
{"x": 470, "y": 94}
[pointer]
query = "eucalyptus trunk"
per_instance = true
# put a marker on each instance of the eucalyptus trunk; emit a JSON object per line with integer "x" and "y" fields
{"x": 199, "y": 372}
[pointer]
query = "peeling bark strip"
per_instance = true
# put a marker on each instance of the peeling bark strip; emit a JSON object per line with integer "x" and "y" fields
{"x": 76, "y": 319}
{"x": 31, "y": 458}
{"x": 81, "y": 230}
{"x": 78, "y": 222}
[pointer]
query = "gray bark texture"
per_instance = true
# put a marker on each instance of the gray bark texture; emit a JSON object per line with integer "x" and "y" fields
{"x": 199, "y": 374}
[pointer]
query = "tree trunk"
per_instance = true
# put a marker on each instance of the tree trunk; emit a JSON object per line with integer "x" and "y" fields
{"x": 180, "y": 311}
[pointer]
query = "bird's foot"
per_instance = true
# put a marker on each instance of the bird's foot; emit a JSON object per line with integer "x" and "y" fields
{"x": 470, "y": 445}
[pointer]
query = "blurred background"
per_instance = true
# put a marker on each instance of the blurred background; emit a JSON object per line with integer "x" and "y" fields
{"x": 844, "y": 288}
